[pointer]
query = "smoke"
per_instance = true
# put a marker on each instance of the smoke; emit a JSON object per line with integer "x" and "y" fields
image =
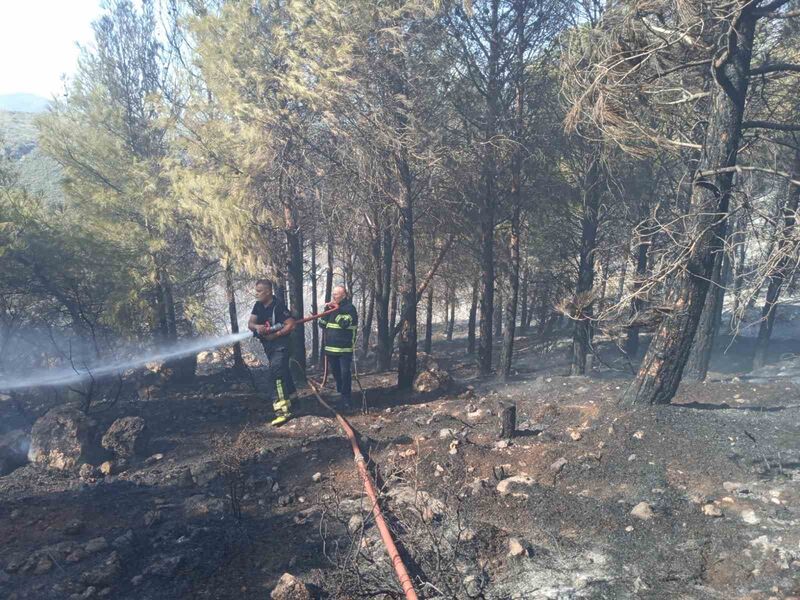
{"x": 87, "y": 370}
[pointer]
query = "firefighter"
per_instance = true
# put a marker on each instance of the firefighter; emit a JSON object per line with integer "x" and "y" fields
{"x": 272, "y": 323}
{"x": 340, "y": 338}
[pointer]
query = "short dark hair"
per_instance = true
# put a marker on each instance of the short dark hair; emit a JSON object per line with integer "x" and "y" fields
{"x": 266, "y": 282}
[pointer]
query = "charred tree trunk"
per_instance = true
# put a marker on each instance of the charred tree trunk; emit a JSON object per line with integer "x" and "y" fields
{"x": 451, "y": 317}
{"x": 778, "y": 274}
{"x": 295, "y": 272}
{"x": 428, "y": 345}
{"x": 524, "y": 320}
{"x": 230, "y": 293}
{"x": 488, "y": 202}
{"x": 498, "y": 312}
{"x": 314, "y": 305}
{"x": 581, "y": 337}
{"x": 700, "y": 354}
{"x": 366, "y": 328}
{"x": 407, "y": 343}
{"x": 507, "y": 351}
{"x": 382, "y": 251}
{"x": 473, "y": 317}
{"x": 663, "y": 365}
{"x": 637, "y": 304}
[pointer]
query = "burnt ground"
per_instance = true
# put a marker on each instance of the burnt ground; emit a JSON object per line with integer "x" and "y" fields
{"x": 719, "y": 471}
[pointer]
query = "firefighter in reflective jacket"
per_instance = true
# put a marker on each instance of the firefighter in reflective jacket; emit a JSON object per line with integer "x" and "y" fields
{"x": 340, "y": 338}
{"x": 272, "y": 323}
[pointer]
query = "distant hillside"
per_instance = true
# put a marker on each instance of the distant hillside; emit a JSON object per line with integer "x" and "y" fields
{"x": 19, "y": 143}
{"x": 29, "y": 103}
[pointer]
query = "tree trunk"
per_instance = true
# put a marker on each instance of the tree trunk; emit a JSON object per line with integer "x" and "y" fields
{"x": 778, "y": 274}
{"x": 329, "y": 270}
{"x": 230, "y": 293}
{"x": 314, "y": 305}
{"x": 507, "y": 352}
{"x": 295, "y": 276}
{"x": 498, "y": 311}
{"x": 428, "y": 345}
{"x": 637, "y": 304}
{"x": 662, "y": 367}
{"x": 524, "y": 320}
{"x": 451, "y": 317}
{"x": 382, "y": 252}
{"x": 473, "y": 317}
{"x": 488, "y": 202}
{"x": 407, "y": 343}
{"x": 582, "y": 334}
{"x": 395, "y": 287}
{"x": 366, "y": 327}
{"x": 700, "y": 354}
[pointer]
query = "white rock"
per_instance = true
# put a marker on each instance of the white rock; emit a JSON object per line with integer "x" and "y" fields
{"x": 749, "y": 516}
{"x": 316, "y": 477}
{"x": 515, "y": 547}
{"x": 642, "y": 511}
{"x": 508, "y": 485}
{"x": 712, "y": 510}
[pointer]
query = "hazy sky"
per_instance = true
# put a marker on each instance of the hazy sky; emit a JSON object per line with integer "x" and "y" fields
{"x": 38, "y": 42}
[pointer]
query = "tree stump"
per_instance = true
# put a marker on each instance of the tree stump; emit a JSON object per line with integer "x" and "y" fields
{"x": 508, "y": 421}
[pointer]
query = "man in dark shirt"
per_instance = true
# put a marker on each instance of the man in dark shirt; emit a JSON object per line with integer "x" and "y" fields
{"x": 272, "y": 323}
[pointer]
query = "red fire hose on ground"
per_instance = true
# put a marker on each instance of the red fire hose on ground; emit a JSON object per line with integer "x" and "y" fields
{"x": 397, "y": 562}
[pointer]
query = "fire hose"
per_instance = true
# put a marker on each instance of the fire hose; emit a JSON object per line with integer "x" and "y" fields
{"x": 397, "y": 562}
{"x": 332, "y": 307}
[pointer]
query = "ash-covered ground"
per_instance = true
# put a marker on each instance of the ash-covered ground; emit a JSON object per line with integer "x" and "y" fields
{"x": 590, "y": 499}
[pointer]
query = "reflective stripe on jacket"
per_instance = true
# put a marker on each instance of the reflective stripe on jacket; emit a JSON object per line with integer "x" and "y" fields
{"x": 340, "y": 328}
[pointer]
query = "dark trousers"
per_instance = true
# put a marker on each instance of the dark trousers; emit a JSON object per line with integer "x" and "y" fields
{"x": 341, "y": 366}
{"x": 280, "y": 385}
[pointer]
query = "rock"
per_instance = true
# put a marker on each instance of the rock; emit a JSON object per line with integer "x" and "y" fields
{"x": 290, "y": 588}
{"x": 446, "y": 433}
{"x": 431, "y": 378}
{"x": 60, "y": 439}
{"x": 151, "y": 460}
{"x": 502, "y": 444}
{"x": 127, "y": 437}
{"x": 749, "y": 516}
{"x": 152, "y": 517}
{"x": 86, "y": 471}
{"x": 96, "y": 545}
{"x": 285, "y": 500}
{"x": 107, "y": 468}
{"x": 478, "y": 486}
{"x": 516, "y": 548}
{"x": 76, "y": 555}
{"x": 575, "y": 435}
{"x": 105, "y": 573}
{"x": 123, "y": 542}
{"x": 516, "y": 486}
{"x": 558, "y": 465}
{"x": 642, "y": 511}
{"x": 206, "y": 472}
{"x": 73, "y": 527}
{"x": 422, "y": 502}
{"x": 355, "y": 524}
{"x": 712, "y": 510}
{"x": 13, "y": 450}
{"x": 735, "y": 487}
{"x": 164, "y": 566}
{"x": 43, "y": 565}
{"x": 316, "y": 477}
{"x": 201, "y": 506}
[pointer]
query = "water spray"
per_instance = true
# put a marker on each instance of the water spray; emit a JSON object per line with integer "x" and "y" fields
{"x": 77, "y": 373}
